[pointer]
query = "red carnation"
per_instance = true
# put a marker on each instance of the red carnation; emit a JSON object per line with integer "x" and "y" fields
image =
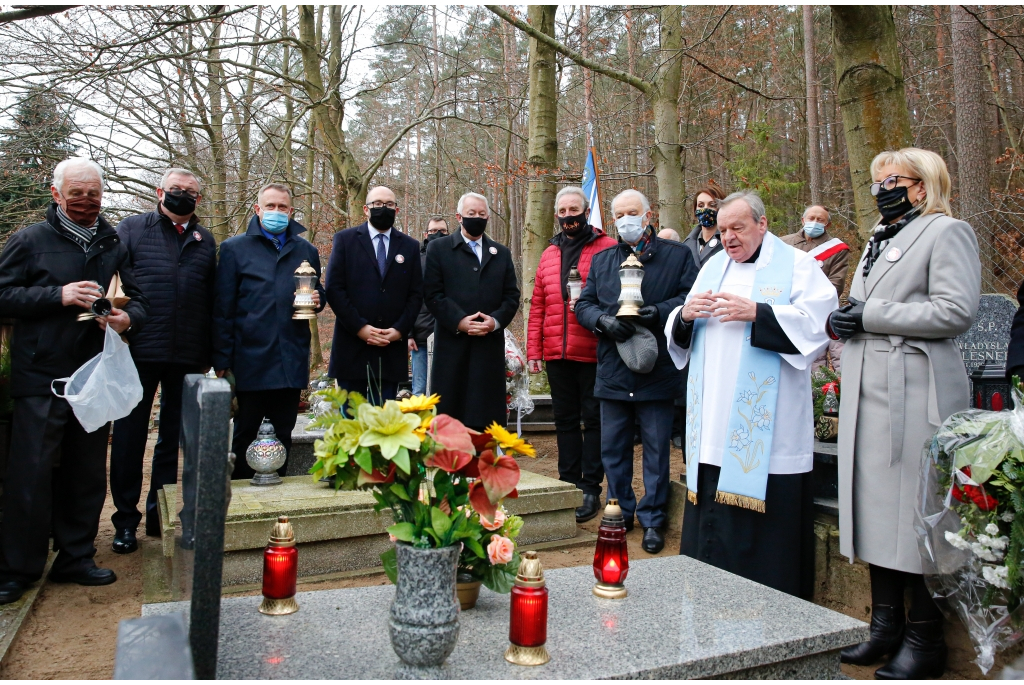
{"x": 974, "y": 493}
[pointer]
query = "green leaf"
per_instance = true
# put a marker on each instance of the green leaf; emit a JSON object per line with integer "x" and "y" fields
{"x": 390, "y": 561}
{"x": 364, "y": 459}
{"x": 439, "y": 521}
{"x": 498, "y": 579}
{"x": 401, "y": 460}
{"x": 406, "y": 532}
{"x": 475, "y": 546}
{"x": 400, "y": 492}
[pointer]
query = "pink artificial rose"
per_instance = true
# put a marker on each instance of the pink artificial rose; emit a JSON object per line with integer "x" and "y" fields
{"x": 498, "y": 522}
{"x": 500, "y": 550}
{"x": 393, "y": 538}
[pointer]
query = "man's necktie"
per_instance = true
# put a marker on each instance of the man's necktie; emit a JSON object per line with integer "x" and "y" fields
{"x": 476, "y": 248}
{"x": 179, "y": 228}
{"x": 382, "y": 257}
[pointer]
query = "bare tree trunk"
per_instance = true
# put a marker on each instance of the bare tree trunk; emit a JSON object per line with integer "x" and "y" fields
{"x": 971, "y": 138}
{"x": 543, "y": 150}
{"x": 811, "y": 76}
{"x": 631, "y": 66}
{"x": 871, "y": 95}
{"x": 664, "y": 99}
{"x": 289, "y": 107}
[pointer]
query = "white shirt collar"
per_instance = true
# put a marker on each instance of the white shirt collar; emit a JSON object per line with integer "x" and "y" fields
{"x": 374, "y": 233}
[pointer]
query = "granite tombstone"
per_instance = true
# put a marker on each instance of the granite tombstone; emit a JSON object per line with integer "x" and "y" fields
{"x": 989, "y": 338}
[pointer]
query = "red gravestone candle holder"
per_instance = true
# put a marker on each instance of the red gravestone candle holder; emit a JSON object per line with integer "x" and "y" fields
{"x": 280, "y": 571}
{"x": 611, "y": 557}
{"x": 528, "y": 624}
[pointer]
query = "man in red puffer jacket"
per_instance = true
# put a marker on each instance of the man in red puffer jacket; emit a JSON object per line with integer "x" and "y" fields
{"x": 569, "y": 349}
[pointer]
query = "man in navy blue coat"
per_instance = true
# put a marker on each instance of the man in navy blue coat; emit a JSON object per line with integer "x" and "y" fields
{"x": 254, "y": 335}
{"x": 375, "y": 287}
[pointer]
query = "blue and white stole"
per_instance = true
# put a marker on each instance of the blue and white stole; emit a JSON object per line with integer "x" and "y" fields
{"x": 744, "y": 475}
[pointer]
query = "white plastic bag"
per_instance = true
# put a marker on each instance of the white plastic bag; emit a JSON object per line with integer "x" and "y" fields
{"x": 105, "y": 388}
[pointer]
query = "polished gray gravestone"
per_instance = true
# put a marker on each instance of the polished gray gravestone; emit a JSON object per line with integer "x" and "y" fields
{"x": 153, "y": 648}
{"x": 989, "y": 338}
{"x": 682, "y": 619}
{"x": 205, "y": 425}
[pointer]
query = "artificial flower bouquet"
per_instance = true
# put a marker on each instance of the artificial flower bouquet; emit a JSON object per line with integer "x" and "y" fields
{"x": 497, "y": 568}
{"x": 427, "y": 468}
{"x": 971, "y": 523}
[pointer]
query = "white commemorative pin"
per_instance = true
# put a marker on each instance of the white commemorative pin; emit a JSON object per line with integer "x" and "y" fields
{"x": 400, "y": 259}
{"x": 893, "y": 254}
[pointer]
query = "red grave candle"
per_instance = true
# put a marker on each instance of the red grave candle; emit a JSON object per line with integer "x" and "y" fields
{"x": 280, "y": 571}
{"x": 611, "y": 557}
{"x": 528, "y": 622}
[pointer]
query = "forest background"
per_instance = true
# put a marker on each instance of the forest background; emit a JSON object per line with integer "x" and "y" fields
{"x": 434, "y": 101}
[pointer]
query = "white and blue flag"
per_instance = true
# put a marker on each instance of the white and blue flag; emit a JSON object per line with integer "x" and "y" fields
{"x": 593, "y": 192}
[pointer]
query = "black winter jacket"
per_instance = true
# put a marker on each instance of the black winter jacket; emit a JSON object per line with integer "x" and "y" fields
{"x": 48, "y": 340}
{"x": 424, "y": 325}
{"x": 178, "y": 281}
{"x": 669, "y": 273}
{"x": 254, "y": 333}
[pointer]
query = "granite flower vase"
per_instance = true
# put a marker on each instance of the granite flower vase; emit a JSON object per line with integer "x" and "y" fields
{"x": 424, "y": 622}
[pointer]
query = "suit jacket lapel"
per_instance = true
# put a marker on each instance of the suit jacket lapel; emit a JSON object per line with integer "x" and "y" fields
{"x": 366, "y": 241}
{"x": 485, "y": 251}
{"x": 903, "y": 241}
{"x": 394, "y": 245}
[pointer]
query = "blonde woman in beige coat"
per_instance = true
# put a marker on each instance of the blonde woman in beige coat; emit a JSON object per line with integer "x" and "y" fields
{"x": 916, "y": 288}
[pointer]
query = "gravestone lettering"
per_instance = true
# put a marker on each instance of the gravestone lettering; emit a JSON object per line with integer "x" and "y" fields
{"x": 988, "y": 339}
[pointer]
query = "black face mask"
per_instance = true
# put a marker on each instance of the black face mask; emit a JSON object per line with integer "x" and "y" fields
{"x": 572, "y": 226}
{"x": 179, "y": 202}
{"x": 382, "y": 218}
{"x": 893, "y": 204}
{"x": 474, "y": 225}
{"x": 433, "y": 236}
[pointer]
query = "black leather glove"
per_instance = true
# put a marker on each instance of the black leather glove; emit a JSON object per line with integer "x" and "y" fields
{"x": 847, "y": 321}
{"x": 648, "y": 316}
{"x": 616, "y": 329}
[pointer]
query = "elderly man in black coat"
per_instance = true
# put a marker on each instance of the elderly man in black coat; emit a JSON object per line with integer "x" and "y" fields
{"x": 375, "y": 287}
{"x": 254, "y": 334}
{"x": 174, "y": 260}
{"x": 470, "y": 287}
{"x": 628, "y": 397}
{"x": 56, "y": 478}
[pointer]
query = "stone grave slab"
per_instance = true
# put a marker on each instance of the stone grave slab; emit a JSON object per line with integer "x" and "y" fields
{"x": 682, "y": 619}
{"x": 339, "y": 531}
{"x": 989, "y": 338}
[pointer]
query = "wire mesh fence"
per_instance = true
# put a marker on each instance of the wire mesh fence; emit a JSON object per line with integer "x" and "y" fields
{"x": 1001, "y": 236}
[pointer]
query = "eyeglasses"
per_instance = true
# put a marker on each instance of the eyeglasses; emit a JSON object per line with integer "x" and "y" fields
{"x": 377, "y": 204}
{"x": 440, "y": 231}
{"x": 178, "y": 192}
{"x": 890, "y": 182}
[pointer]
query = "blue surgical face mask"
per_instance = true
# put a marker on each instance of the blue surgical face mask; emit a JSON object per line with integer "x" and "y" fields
{"x": 813, "y": 229}
{"x": 274, "y": 222}
{"x": 630, "y": 228}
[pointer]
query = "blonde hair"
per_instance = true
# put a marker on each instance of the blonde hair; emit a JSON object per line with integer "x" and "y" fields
{"x": 925, "y": 165}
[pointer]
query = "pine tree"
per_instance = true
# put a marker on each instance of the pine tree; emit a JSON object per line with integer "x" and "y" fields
{"x": 29, "y": 150}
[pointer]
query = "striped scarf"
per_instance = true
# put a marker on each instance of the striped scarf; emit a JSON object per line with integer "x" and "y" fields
{"x": 80, "y": 234}
{"x": 644, "y": 241}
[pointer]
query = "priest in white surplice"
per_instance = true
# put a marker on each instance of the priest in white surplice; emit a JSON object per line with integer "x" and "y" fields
{"x": 751, "y": 326}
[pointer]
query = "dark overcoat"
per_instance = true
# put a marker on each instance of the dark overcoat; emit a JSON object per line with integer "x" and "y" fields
{"x": 253, "y": 330}
{"x": 359, "y": 295}
{"x": 669, "y": 273}
{"x": 468, "y": 371}
{"x": 48, "y": 340}
{"x": 177, "y": 279}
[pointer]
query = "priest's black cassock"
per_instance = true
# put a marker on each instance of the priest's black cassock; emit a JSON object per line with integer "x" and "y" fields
{"x": 774, "y": 547}
{"x": 468, "y": 372}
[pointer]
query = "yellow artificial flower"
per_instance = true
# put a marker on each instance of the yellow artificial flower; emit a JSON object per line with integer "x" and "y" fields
{"x": 510, "y": 442}
{"x": 418, "y": 403}
{"x": 424, "y": 427}
{"x": 388, "y": 428}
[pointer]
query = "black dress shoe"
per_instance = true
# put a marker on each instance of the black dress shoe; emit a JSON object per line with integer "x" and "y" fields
{"x": 629, "y": 525}
{"x": 886, "y": 636}
{"x": 125, "y": 541}
{"x": 589, "y": 509}
{"x": 11, "y": 591}
{"x": 921, "y": 656}
{"x": 653, "y": 541}
{"x": 85, "y": 575}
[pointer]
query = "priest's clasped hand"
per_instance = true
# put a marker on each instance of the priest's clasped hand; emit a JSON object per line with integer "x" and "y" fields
{"x": 848, "y": 320}
{"x": 616, "y": 329}
{"x": 726, "y": 306}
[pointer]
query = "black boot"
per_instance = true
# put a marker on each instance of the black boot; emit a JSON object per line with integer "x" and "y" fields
{"x": 886, "y": 636}
{"x": 921, "y": 656}
{"x": 589, "y": 509}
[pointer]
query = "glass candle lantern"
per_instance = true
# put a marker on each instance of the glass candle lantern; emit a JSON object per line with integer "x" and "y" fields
{"x": 575, "y": 284}
{"x": 528, "y": 624}
{"x": 305, "y": 286}
{"x": 631, "y": 275}
{"x": 611, "y": 557}
{"x": 265, "y": 455}
{"x": 280, "y": 571}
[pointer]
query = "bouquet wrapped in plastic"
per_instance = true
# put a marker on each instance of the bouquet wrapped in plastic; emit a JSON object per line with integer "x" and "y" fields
{"x": 517, "y": 380}
{"x": 971, "y": 524}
